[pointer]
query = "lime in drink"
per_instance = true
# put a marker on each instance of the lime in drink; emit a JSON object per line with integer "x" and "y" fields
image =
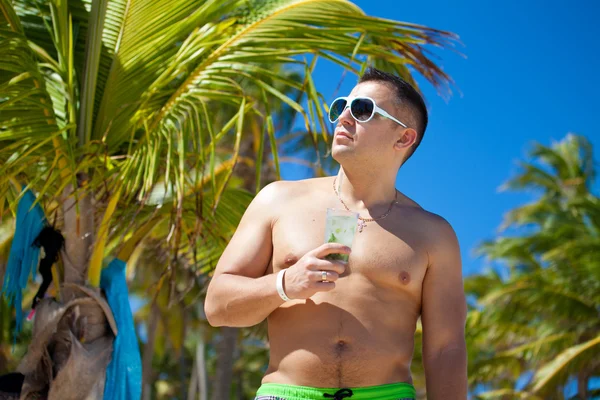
{"x": 340, "y": 227}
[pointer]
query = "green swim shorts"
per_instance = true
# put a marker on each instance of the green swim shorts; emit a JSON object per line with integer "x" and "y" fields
{"x": 393, "y": 391}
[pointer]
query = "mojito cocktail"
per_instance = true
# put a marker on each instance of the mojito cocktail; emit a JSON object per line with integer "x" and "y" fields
{"x": 340, "y": 227}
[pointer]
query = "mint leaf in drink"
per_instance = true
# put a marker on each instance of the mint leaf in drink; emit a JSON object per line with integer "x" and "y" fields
{"x": 334, "y": 256}
{"x": 343, "y": 257}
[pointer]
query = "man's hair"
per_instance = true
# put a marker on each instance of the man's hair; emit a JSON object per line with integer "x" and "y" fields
{"x": 406, "y": 96}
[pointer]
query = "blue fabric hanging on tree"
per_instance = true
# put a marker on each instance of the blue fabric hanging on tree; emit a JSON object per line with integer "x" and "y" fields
{"x": 24, "y": 255}
{"x": 124, "y": 373}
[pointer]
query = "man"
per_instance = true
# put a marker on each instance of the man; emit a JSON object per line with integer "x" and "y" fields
{"x": 347, "y": 328}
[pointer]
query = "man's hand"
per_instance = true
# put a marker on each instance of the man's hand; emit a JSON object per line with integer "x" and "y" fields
{"x": 304, "y": 279}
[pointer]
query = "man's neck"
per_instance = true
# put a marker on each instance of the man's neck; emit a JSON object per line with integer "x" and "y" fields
{"x": 361, "y": 190}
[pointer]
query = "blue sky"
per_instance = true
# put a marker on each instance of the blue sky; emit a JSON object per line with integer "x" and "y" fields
{"x": 530, "y": 74}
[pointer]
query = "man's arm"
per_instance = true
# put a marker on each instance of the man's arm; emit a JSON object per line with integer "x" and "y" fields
{"x": 240, "y": 294}
{"x": 443, "y": 318}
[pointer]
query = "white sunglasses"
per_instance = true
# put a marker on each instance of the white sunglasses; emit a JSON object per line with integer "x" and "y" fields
{"x": 362, "y": 109}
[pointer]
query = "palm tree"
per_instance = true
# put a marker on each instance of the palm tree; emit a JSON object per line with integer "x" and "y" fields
{"x": 543, "y": 318}
{"x": 127, "y": 117}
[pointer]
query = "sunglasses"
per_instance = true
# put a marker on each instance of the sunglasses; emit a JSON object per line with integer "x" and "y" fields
{"x": 362, "y": 109}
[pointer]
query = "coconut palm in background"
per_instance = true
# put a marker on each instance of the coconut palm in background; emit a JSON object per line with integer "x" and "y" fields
{"x": 130, "y": 120}
{"x": 543, "y": 316}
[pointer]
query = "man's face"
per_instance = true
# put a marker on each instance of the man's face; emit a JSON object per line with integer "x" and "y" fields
{"x": 372, "y": 141}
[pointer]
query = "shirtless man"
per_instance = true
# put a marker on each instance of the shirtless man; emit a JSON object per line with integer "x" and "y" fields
{"x": 347, "y": 330}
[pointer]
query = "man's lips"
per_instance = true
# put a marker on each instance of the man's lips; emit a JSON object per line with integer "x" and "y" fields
{"x": 344, "y": 134}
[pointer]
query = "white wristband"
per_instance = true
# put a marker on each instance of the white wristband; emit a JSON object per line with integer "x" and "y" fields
{"x": 280, "y": 285}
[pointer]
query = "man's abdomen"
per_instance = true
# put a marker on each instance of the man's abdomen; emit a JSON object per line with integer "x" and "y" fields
{"x": 321, "y": 343}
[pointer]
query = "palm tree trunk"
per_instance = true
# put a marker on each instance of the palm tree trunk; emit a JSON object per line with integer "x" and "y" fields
{"x": 5, "y": 315}
{"x": 225, "y": 349}
{"x": 582, "y": 385}
{"x": 149, "y": 352}
{"x": 80, "y": 312}
{"x": 182, "y": 363}
{"x": 198, "y": 378}
{"x": 193, "y": 386}
{"x": 202, "y": 375}
{"x": 79, "y": 235}
{"x": 240, "y": 385}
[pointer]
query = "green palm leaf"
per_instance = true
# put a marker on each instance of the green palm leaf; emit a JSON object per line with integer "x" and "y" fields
{"x": 25, "y": 105}
{"x": 508, "y": 393}
{"x": 570, "y": 360}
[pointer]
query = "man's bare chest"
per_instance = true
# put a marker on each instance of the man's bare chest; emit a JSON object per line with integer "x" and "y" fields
{"x": 387, "y": 255}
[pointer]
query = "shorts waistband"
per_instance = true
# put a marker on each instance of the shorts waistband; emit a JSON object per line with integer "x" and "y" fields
{"x": 392, "y": 391}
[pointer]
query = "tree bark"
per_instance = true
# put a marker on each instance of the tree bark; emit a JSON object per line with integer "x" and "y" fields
{"x": 225, "y": 350}
{"x": 78, "y": 231}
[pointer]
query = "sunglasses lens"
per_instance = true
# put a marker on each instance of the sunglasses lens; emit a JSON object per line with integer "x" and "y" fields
{"x": 362, "y": 109}
{"x": 336, "y": 109}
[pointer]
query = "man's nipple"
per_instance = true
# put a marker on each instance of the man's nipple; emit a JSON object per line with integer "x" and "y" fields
{"x": 290, "y": 259}
{"x": 405, "y": 277}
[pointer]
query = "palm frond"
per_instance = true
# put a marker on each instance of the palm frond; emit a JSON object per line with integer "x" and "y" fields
{"x": 504, "y": 393}
{"x": 27, "y": 119}
{"x": 537, "y": 296}
{"x": 569, "y": 361}
{"x": 143, "y": 37}
{"x": 208, "y": 70}
{"x": 93, "y": 50}
{"x": 26, "y": 107}
{"x": 569, "y": 168}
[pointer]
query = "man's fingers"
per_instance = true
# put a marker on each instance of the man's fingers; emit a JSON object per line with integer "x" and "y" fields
{"x": 331, "y": 248}
{"x": 330, "y": 276}
{"x": 327, "y": 265}
{"x": 325, "y": 286}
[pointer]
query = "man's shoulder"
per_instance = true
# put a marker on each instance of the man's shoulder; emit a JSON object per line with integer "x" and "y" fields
{"x": 427, "y": 219}
{"x": 284, "y": 190}
{"x": 435, "y": 221}
{"x": 435, "y": 229}
{"x": 418, "y": 214}
{"x": 441, "y": 237}
{"x": 277, "y": 197}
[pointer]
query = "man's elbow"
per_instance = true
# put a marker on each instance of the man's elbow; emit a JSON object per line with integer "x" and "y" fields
{"x": 457, "y": 349}
{"x": 211, "y": 315}
{"x": 459, "y": 345}
{"x": 216, "y": 318}
{"x": 211, "y": 311}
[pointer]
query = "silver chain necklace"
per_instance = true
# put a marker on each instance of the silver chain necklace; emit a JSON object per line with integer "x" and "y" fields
{"x": 362, "y": 222}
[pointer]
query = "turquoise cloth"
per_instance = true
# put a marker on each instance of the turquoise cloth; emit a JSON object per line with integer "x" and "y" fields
{"x": 124, "y": 373}
{"x": 24, "y": 256}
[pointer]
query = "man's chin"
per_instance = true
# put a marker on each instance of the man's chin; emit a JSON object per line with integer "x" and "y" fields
{"x": 341, "y": 153}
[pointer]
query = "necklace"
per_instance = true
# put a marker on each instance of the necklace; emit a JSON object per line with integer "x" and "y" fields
{"x": 362, "y": 222}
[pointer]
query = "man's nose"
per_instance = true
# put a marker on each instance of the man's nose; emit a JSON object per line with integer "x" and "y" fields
{"x": 346, "y": 117}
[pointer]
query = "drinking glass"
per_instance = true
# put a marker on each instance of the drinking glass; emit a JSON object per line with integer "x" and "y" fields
{"x": 340, "y": 227}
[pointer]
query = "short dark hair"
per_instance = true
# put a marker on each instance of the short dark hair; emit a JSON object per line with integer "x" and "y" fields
{"x": 407, "y": 96}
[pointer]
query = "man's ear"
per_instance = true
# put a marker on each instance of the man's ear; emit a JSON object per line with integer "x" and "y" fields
{"x": 407, "y": 139}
